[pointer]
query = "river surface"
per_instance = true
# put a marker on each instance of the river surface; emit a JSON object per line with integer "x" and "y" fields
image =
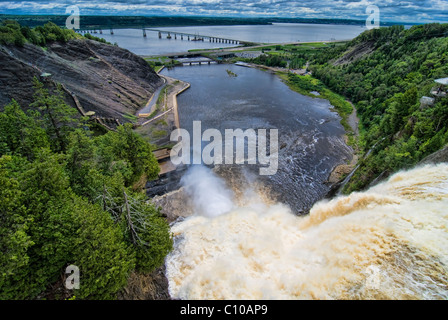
{"x": 310, "y": 134}
{"x": 133, "y": 40}
{"x": 277, "y": 32}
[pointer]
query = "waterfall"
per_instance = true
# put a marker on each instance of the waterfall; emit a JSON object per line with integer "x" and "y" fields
{"x": 389, "y": 242}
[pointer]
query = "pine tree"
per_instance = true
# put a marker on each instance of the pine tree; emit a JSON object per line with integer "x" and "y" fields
{"x": 58, "y": 117}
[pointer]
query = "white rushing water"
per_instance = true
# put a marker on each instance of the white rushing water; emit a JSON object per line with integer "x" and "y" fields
{"x": 390, "y": 242}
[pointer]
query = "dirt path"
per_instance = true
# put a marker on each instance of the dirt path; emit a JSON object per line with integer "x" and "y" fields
{"x": 353, "y": 121}
{"x": 158, "y": 128}
{"x": 174, "y": 88}
{"x": 151, "y": 105}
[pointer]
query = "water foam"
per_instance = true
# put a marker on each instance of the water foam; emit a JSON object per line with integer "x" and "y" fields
{"x": 390, "y": 242}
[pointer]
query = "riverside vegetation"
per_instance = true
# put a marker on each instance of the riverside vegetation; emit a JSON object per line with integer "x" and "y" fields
{"x": 384, "y": 72}
{"x": 71, "y": 195}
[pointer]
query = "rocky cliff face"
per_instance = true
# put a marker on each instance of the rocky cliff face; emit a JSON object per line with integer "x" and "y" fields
{"x": 436, "y": 157}
{"x": 106, "y": 79}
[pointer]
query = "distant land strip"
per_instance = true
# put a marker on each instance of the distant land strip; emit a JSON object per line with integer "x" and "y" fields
{"x": 119, "y": 22}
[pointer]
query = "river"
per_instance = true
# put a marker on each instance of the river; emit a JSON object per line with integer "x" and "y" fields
{"x": 310, "y": 134}
{"x": 133, "y": 40}
{"x": 277, "y": 32}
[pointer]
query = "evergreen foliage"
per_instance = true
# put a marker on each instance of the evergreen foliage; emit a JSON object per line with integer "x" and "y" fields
{"x": 66, "y": 199}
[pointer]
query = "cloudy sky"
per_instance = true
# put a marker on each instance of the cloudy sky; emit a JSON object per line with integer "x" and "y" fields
{"x": 391, "y": 10}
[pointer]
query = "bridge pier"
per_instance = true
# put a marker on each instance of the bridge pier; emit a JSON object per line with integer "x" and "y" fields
{"x": 189, "y": 37}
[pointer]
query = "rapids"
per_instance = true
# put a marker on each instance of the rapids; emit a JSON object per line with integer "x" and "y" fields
{"x": 389, "y": 242}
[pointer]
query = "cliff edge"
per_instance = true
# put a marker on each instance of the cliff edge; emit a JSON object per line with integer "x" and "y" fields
{"x": 106, "y": 79}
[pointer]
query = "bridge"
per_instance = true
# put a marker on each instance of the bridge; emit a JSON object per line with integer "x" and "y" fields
{"x": 193, "y": 37}
{"x": 172, "y": 34}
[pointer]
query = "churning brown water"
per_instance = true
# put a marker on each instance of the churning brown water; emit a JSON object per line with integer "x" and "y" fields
{"x": 390, "y": 242}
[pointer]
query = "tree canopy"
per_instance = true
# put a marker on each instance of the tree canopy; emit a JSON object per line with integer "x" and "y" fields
{"x": 67, "y": 198}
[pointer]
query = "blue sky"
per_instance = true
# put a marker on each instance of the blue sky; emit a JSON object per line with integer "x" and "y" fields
{"x": 417, "y": 11}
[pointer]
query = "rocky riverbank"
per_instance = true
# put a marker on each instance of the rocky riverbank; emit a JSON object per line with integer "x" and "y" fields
{"x": 341, "y": 171}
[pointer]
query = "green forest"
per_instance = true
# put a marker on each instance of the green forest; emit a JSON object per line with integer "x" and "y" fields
{"x": 71, "y": 196}
{"x": 386, "y": 87}
{"x": 384, "y": 73}
{"x": 12, "y": 33}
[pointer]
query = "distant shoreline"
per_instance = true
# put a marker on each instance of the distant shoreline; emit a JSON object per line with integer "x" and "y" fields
{"x": 125, "y": 22}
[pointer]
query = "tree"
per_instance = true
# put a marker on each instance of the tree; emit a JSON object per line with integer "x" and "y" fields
{"x": 10, "y": 33}
{"x": 148, "y": 231}
{"x": 81, "y": 159}
{"x": 21, "y": 132}
{"x": 407, "y": 101}
{"x": 14, "y": 240}
{"x": 58, "y": 117}
{"x": 128, "y": 146}
{"x": 46, "y": 227}
{"x": 104, "y": 259}
{"x": 47, "y": 196}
